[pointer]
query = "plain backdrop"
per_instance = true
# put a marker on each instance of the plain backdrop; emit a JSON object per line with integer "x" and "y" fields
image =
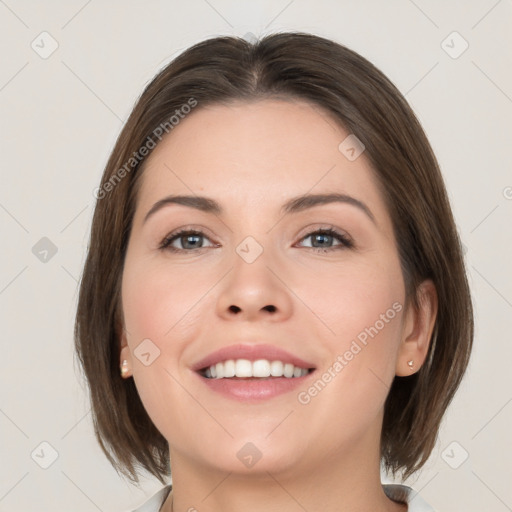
{"x": 69, "y": 76}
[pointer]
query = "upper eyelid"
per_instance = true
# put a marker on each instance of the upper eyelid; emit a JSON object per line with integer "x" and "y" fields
{"x": 322, "y": 227}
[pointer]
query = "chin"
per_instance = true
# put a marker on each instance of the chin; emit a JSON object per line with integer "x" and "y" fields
{"x": 251, "y": 455}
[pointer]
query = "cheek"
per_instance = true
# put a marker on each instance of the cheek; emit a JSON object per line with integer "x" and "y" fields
{"x": 361, "y": 308}
{"x": 352, "y": 297}
{"x": 160, "y": 301}
{"x": 162, "y": 316}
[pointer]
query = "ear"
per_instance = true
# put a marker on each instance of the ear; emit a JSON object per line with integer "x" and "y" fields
{"x": 417, "y": 330}
{"x": 124, "y": 352}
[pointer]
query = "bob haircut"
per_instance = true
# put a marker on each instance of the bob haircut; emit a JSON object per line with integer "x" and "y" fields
{"x": 289, "y": 66}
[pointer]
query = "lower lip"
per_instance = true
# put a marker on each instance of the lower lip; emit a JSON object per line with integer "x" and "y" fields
{"x": 254, "y": 389}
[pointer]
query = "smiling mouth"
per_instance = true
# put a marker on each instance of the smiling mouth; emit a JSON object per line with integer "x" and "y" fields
{"x": 262, "y": 369}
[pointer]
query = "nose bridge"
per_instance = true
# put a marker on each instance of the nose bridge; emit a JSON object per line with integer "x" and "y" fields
{"x": 252, "y": 289}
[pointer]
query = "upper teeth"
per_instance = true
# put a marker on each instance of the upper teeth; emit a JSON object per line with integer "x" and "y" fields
{"x": 259, "y": 368}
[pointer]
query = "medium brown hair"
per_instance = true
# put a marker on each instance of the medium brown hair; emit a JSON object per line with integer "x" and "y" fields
{"x": 365, "y": 103}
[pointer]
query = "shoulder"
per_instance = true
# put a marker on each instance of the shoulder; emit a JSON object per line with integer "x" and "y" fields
{"x": 408, "y": 495}
{"x": 155, "y": 502}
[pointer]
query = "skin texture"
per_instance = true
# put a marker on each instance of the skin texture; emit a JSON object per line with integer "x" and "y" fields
{"x": 251, "y": 158}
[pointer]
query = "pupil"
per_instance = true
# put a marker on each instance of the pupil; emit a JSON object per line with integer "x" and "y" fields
{"x": 187, "y": 240}
{"x": 322, "y": 239}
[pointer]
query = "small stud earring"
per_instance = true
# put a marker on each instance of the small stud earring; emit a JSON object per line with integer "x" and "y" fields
{"x": 124, "y": 368}
{"x": 410, "y": 364}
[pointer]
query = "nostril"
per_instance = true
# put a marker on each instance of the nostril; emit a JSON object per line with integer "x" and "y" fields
{"x": 270, "y": 308}
{"x": 234, "y": 309}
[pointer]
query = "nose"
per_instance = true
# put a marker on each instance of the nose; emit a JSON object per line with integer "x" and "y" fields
{"x": 254, "y": 291}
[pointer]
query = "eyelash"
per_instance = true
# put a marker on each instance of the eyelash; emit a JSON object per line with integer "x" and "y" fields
{"x": 345, "y": 242}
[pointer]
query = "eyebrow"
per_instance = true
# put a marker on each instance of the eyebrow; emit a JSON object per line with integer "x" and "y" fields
{"x": 293, "y": 205}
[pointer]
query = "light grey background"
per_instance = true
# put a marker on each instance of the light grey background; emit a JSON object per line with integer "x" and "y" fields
{"x": 59, "y": 118}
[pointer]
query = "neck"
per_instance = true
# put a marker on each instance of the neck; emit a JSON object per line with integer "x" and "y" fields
{"x": 339, "y": 483}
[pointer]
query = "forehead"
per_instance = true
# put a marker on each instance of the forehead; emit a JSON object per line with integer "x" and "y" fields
{"x": 253, "y": 154}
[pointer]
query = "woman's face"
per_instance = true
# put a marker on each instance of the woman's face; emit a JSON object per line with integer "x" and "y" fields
{"x": 260, "y": 279}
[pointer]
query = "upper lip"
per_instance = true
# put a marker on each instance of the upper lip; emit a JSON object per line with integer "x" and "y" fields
{"x": 252, "y": 353}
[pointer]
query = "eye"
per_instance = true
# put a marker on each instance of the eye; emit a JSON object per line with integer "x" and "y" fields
{"x": 323, "y": 240}
{"x": 188, "y": 240}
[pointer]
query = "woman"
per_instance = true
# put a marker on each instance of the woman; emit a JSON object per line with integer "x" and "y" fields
{"x": 274, "y": 302}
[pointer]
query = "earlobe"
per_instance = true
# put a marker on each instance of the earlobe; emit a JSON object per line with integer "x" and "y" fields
{"x": 125, "y": 364}
{"x": 417, "y": 330}
{"x": 125, "y": 369}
